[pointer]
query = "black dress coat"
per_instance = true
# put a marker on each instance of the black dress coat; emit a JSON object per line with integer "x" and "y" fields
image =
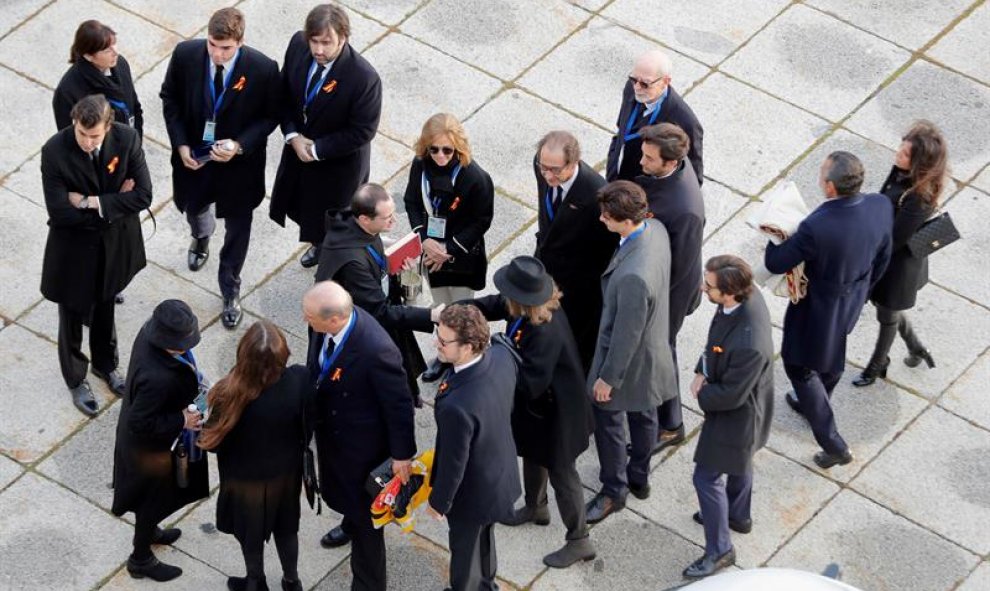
{"x": 737, "y": 398}
{"x": 159, "y": 387}
{"x": 248, "y": 114}
{"x": 260, "y": 461}
{"x": 575, "y": 248}
{"x": 673, "y": 110}
{"x": 551, "y": 416}
{"x": 468, "y": 205}
{"x": 341, "y": 120}
{"x": 906, "y": 274}
{"x": 676, "y": 201}
{"x": 364, "y": 414}
{"x": 83, "y": 79}
{"x": 845, "y": 252}
{"x": 475, "y": 477}
{"x": 90, "y": 257}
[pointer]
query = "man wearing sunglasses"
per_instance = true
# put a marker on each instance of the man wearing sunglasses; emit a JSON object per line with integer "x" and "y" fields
{"x": 648, "y": 99}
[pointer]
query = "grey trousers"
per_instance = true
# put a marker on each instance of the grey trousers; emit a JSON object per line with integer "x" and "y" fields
{"x": 567, "y": 488}
{"x": 236, "y": 238}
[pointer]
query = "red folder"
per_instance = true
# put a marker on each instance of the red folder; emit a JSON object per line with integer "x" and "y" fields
{"x": 409, "y": 246}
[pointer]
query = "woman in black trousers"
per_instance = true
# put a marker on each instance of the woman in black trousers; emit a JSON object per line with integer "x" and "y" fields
{"x": 551, "y": 417}
{"x": 255, "y": 426}
{"x": 914, "y": 186}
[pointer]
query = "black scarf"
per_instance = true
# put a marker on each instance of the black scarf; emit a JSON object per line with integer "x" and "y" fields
{"x": 109, "y": 86}
{"x": 440, "y": 176}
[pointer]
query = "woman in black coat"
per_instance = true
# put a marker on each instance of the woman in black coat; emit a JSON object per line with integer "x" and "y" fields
{"x": 97, "y": 68}
{"x": 914, "y": 186}
{"x": 551, "y": 417}
{"x": 255, "y": 426}
{"x": 162, "y": 381}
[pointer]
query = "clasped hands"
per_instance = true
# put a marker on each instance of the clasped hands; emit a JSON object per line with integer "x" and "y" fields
{"x": 434, "y": 254}
{"x": 221, "y": 151}
{"x": 301, "y": 145}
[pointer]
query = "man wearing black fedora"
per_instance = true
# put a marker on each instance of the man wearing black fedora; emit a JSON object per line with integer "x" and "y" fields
{"x": 162, "y": 381}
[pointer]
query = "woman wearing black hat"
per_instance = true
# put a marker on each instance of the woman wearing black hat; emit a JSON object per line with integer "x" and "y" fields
{"x": 162, "y": 381}
{"x": 551, "y": 418}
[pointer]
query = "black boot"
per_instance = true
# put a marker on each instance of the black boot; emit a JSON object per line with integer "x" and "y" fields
{"x": 916, "y": 351}
{"x": 153, "y": 569}
{"x": 877, "y": 367}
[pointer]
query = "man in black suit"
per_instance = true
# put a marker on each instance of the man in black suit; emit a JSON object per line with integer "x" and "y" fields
{"x": 364, "y": 417}
{"x": 475, "y": 478}
{"x": 734, "y": 388}
{"x": 675, "y": 199}
{"x": 220, "y": 99}
{"x": 648, "y": 99}
{"x": 96, "y": 182}
{"x": 332, "y": 101}
{"x": 571, "y": 243}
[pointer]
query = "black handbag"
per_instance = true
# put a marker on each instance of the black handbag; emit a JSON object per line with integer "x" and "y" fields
{"x": 310, "y": 481}
{"x": 378, "y": 478}
{"x": 935, "y": 234}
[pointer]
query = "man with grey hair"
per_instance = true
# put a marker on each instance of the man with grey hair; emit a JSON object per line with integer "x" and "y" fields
{"x": 647, "y": 99}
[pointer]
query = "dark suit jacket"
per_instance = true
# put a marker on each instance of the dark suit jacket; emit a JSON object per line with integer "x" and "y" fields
{"x": 246, "y": 115}
{"x": 677, "y": 202}
{"x": 364, "y": 414}
{"x": 72, "y": 260}
{"x": 738, "y": 397}
{"x": 673, "y": 110}
{"x": 845, "y": 251}
{"x": 475, "y": 478}
{"x": 575, "y": 248}
{"x": 342, "y": 120}
{"x": 83, "y": 79}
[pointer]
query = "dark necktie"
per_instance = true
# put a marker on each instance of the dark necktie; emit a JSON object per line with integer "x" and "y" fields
{"x": 558, "y": 199}
{"x": 218, "y": 83}
{"x": 94, "y": 156}
{"x": 314, "y": 79}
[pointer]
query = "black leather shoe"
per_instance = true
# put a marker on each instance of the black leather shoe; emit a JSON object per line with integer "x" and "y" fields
{"x": 602, "y": 506}
{"x": 871, "y": 373}
{"x": 667, "y": 439}
{"x": 825, "y": 460}
{"x": 246, "y": 584}
{"x": 232, "y": 313}
{"x": 709, "y": 565}
{"x": 743, "y": 527}
{"x": 538, "y": 515}
{"x": 334, "y": 538}
{"x": 640, "y": 492}
{"x": 166, "y": 537}
{"x": 199, "y": 252}
{"x": 113, "y": 379}
{"x": 792, "y": 402}
{"x": 82, "y": 397}
{"x": 916, "y": 357}
{"x": 310, "y": 257}
{"x": 435, "y": 371}
{"x": 291, "y": 585}
{"x": 118, "y": 299}
{"x": 153, "y": 569}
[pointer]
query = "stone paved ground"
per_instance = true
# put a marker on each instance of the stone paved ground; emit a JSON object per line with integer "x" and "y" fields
{"x": 776, "y": 83}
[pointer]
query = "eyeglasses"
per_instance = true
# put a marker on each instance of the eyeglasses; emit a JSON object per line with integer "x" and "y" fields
{"x": 443, "y": 342}
{"x": 554, "y": 170}
{"x": 644, "y": 83}
{"x": 447, "y": 150}
{"x": 706, "y": 287}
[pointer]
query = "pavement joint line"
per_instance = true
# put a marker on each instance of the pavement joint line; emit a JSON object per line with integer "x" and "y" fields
{"x": 28, "y": 77}
{"x": 26, "y": 19}
{"x": 935, "y": 62}
{"x": 142, "y": 17}
{"x": 505, "y": 244}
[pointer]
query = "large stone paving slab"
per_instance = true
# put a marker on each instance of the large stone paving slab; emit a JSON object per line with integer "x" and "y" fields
{"x": 25, "y": 133}
{"x": 721, "y": 203}
{"x": 185, "y": 18}
{"x": 280, "y": 298}
{"x": 9, "y": 470}
{"x": 979, "y": 580}
{"x": 148, "y": 86}
{"x": 875, "y": 549}
{"x": 953, "y": 267}
{"x": 387, "y": 158}
{"x": 911, "y": 24}
{"x": 952, "y": 455}
{"x": 15, "y": 11}
{"x": 983, "y": 181}
{"x": 964, "y": 48}
{"x": 967, "y": 396}
{"x": 390, "y": 12}
{"x": 45, "y": 533}
{"x": 22, "y": 230}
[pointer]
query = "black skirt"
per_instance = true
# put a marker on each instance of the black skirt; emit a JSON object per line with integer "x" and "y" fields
{"x": 252, "y": 510}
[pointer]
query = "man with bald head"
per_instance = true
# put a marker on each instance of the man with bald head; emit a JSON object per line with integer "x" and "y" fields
{"x": 647, "y": 99}
{"x": 364, "y": 417}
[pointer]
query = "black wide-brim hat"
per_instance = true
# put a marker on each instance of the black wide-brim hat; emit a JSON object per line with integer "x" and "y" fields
{"x": 525, "y": 280}
{"x": 173, "y": 326}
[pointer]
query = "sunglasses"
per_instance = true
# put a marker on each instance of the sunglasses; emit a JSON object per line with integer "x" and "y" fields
{"x": 643, "y": 83}
{"x": 446, "y": 150}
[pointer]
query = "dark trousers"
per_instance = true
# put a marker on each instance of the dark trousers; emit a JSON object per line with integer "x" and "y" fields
{"x": 721, "y": 498}
{"x": 610, "y": 440}
{"x": 814, "y": 393}
{"x": 102, "y": 342}
{"x": 472, "y": 556}
{"x": 287, "y": 546}
{"x": 567, "y": 488}
{"x": 669, "y": 413}
{"x": 367, "y": 553}
{"x": 144, "y": 533}
{"x": 236, "y": 238}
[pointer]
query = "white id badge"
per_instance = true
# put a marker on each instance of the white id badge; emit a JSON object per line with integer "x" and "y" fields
{"x": 385, "y": 284}
{"x": 436, "y": 227}
{"x": 209, "y": 132}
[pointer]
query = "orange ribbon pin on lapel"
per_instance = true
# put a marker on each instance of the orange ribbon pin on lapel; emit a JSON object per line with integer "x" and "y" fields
{"x": 330, "y": 86}
{"x": 336, "y": 375}
{"x": 239, "y": 86}
{"x": 457, "y": 201}
{"x": 112, "y": 166}
{"x": 717, "y": 349}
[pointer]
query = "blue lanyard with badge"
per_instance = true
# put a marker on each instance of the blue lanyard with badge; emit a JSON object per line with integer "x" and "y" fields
{"x": 382, "y": 264}
{"x": 122, "y": 107}
{"x": 210, "y": 128}
{"x": 436, "y": 226}
{"x": 186, "y": 436}
{"x": 311, "y": 95}
{"x": 634, "y": 115}
{"x": 327, "y": 360}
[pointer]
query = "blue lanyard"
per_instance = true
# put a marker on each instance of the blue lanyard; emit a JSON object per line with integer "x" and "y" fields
{"x": 426, "y": 189}
{"x": 633, "y": 236}
{"x": 188, "y": 359}
{"x": 329, "y": 359}
{"x": 378, "y": 258}
{"x": 316, "y": 87}
{"x": 549, "y": 203}
{"x": 217, "y": 101}
{"x": 635, "y": 112}
{"x": 122, "y": 106}
{"x": 511, "y": 330}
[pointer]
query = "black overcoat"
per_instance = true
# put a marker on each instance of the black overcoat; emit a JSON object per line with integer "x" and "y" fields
{"x": 845, "y": 251}
{"x": 906, "y": 273}
{"x": 83, "y": 79}
{"x": 475, "y": 477}
{"x": 248, "y": 113}
{"x": 575, "y": 248}
{"x": 738, "y": 397}
{"x": 468, "y": 205}
{"x": 551, "y": 416}
{"x": 364, "y": 414}
{"x": 673, "y": 110}
{"x": 158, "y": 387}
{"x": 75, "y": 272}
{"x": 341, "y": 120}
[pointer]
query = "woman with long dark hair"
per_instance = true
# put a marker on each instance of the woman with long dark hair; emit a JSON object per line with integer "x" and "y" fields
{"x": 256, "y": 428}
{"x": 914, "y": 186}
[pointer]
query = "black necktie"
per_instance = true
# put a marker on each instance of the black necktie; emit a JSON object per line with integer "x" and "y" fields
{"x": 558, "y": 199}
{"x": 217, "y": 83}
{"x": 314, "y": 79}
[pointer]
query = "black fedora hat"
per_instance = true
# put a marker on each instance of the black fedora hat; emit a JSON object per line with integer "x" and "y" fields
{"x": 173, "y": 326}
{"x": 525, "y": 280}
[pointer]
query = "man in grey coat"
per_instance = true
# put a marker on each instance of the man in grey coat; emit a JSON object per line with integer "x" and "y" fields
{"x": 633, "y": 370}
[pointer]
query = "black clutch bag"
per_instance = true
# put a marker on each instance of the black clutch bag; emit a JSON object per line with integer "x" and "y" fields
{"x": 378, "y": 478}
{"x": 933, "y": 235}
{"x": 310, "y": 481}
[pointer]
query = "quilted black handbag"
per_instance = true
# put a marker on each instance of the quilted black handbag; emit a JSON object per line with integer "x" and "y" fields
{"x": 935, "y": 234}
